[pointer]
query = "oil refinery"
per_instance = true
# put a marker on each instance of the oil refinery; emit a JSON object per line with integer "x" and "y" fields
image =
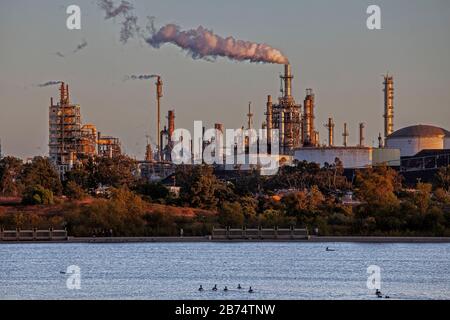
{"x": 71, "y": 141}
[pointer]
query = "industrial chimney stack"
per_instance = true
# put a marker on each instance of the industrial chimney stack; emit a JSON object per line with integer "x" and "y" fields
{"x": 361, "y": 134}
{"x": 330, "y": 126}
{"x": 345, "y": 135}
{"x": 159, "y": 95}
{"x": 287, "y": 78}
{"x": 388, "y": 105}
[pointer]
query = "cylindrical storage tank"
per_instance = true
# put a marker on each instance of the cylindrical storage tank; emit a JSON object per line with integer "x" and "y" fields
{"x": 447, "y": 141}
{"x": 412, "y": 140}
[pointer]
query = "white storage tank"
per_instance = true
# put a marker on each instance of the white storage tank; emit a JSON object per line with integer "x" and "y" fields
{"x": 411, "y": 140}
{"x": 447, "y": 142}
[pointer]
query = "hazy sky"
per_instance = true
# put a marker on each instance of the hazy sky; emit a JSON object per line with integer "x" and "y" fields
{"x": 327, "y": 42}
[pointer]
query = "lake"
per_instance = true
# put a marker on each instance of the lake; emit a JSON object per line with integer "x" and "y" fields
{"x": 285, "y": 270}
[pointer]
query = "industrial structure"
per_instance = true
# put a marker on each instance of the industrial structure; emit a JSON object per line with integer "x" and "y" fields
{"x": 285, "y": 116}
{"x": 388, "y": 105}
{"x": 69, "y": 140}
{"x": 414, "y": 139}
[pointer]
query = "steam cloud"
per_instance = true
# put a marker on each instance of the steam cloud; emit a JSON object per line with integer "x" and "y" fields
{"x": 141, "y": 77}
{"x": 200, "y": 43}
{"x": 49, "y": 83}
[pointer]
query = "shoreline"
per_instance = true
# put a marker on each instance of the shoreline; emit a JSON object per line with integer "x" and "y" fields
{"x": 312, "y": 239}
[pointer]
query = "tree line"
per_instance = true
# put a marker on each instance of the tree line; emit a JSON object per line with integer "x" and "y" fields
{"x": 304, "y": 195}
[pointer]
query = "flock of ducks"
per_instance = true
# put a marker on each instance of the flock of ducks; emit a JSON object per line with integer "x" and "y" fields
{"x": 250, "y": 290}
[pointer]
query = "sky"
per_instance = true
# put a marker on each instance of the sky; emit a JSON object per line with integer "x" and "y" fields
{"x": 327, "y": 42}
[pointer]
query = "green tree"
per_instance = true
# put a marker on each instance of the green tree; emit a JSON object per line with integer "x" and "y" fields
{"x": 231, "y": 215}
{"x": 37, "y": 195}
{"x": 115, "y": 172}
{"x": 74, "y": 191}
{"x": 41, "y": 172}
{"x": 378, "y": 186}
{"x": 10, "y": 171}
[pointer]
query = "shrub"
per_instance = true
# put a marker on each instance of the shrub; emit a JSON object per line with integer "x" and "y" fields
{"x": 38, "y": 195}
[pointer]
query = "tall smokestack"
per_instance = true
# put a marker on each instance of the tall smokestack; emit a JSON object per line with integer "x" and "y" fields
{"x": 388, "y": 105}
{"x": 330, "y": 126}
{"x": 67, "y": 94}
{"x": 250, "y": 116}
{"x": 171, "y": 118}
{"x": 361, "y": 134}
{"x": 287, "y": 78}
{"x": 269, "y": 119}
{"x": 62, "y": 91}
{"x": 269, "y": 123}
{"x": 308, "y": 118}
{"x": 345, "y": 135}
{"x": 158, "y": 101}
{"x": 282, "y": 132}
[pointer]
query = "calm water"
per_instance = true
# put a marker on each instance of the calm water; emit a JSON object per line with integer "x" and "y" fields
{"x": 175, "y": 270}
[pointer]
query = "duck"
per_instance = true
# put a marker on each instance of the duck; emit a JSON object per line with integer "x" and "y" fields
{"x": 215, "y": 288}
{"x": 239, "y": 286}
{"x": 250, "y": 290}
{"x": 201, "y": 288}
{"x": 225, "y": 289}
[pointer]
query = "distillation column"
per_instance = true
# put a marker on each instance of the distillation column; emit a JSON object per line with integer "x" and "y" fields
{"x": 388, "y": 105}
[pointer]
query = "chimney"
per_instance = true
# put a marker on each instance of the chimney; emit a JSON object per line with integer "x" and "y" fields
{"x": 361, "y": 134}
{"x": 282, "y": 132}
{"x": 388, "y": 105}
{"x": 269, "y": 119}
{"x": 345, "y": 135}
{"x": 171, "y": 118}
{"x": 330, "y": 126}
{"x": 308, "y": 125}
{"x": 287, "y": 78}
{"x": 67, "y": 94}
{"x": 62, "y": 92}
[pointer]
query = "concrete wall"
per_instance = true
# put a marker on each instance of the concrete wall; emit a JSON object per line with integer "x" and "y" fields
{"x": 388, "y": 156}
{"x": 350, "y": 157}
{"x": 413, "y": 145}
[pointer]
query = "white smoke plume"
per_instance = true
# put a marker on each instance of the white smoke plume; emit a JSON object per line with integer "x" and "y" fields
{"x": 202, "y": 43}
{"x": 141, "y": 77}
{"x": 49, "y": 83}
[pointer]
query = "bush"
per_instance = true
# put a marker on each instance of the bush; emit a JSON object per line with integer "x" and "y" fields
{"x": 38, "y": 195}
{"x": 231, "y": 215}
{"x": 74, "y": 192}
